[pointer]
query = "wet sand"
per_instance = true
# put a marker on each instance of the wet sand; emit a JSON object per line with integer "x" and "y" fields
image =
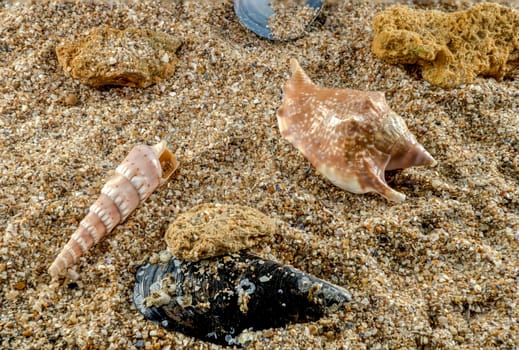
{"x": 437, "y": 271}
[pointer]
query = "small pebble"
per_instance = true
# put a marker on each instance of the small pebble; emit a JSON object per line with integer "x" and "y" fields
{"x": 20, "y": 285}
{"x": 70, "y": 100}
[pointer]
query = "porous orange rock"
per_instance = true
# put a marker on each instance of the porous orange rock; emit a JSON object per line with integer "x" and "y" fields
{"x": 131, "y": 57}
{"x": 210, "y": 229}
{"x": 451, "y": 48}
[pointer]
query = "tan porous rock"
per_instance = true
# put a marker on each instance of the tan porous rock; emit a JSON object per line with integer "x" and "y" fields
{"x": 131, "y": 57}
{"x": 451, "y": 48}
{"x": 209, "y": 230}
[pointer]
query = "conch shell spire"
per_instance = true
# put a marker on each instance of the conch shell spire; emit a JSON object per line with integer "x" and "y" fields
{"x": 141, "y": 172}
{"x": 298, "y": 74}
{"x": 350, "y": 136}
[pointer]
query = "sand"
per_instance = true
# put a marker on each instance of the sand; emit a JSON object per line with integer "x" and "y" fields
{"x": 290, "y": 18}
{"x": 437, "y": 271}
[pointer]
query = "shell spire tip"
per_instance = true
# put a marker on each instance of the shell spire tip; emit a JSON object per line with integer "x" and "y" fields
{"x": 298, "y": 74}
{"x": 294, "y": 65}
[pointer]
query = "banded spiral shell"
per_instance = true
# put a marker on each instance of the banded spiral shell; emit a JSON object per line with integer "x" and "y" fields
{"x": 350, "y": 136}
{"x": 135, "y": 179}
{"x": 216, "y": 299}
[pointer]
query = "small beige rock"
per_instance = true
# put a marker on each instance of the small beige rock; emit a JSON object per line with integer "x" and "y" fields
{"x": 209, "y": 230}
{"x": 70, "y": 100}
{"x": 132, "y": 57}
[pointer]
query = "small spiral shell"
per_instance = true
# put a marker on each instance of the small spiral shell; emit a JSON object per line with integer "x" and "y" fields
{"x": 135, "y": 179}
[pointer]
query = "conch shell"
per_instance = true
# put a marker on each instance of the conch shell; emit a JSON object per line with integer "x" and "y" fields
{"x": 350, "y": 136}
{"x": 135, "y": 179}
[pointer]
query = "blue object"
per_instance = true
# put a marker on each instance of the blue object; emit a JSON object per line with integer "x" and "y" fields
{"x": 254, "y": 15}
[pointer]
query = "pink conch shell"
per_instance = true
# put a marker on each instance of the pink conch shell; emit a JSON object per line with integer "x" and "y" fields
{"x": 135, "y": 179}
{"x": 350, "y": 136}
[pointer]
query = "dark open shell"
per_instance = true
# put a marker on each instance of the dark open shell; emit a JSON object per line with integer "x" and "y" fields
{"x": 216, "y": 299}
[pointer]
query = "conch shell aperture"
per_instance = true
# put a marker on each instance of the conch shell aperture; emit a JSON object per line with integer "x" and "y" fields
{"x": 350, "y": 136}
{"x": 141, "y": 172}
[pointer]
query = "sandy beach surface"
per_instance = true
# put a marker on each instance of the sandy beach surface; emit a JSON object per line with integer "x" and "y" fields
{"x": 437, "y": 271}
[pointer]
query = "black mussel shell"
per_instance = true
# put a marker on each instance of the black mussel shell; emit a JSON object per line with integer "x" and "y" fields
{"x": 216, "y": 299}
{"x": 254, "y": 14}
